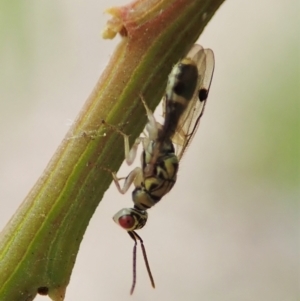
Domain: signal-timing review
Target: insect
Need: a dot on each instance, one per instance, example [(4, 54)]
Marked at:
[(183, 106)]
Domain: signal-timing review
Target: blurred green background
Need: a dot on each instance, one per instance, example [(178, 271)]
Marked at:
[(229, 230)]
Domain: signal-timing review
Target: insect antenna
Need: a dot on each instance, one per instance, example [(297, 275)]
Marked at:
[(135, 236)]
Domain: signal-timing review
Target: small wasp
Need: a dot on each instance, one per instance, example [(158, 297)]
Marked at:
[(183, 106)]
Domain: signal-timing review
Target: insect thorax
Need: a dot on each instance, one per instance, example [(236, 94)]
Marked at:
[(158, 183)]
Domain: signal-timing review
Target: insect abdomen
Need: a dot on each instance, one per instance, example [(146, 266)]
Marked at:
[(181, 87)]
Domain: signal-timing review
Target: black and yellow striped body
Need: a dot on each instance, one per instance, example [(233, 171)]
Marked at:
[(182, 83), (161, 177)]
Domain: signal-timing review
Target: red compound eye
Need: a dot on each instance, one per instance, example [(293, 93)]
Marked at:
[(126, 221)]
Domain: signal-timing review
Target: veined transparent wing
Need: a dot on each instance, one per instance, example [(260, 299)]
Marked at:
[(189, 120)]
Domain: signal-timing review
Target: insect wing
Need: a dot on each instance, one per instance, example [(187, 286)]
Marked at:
[(189, 121), (205, 80)]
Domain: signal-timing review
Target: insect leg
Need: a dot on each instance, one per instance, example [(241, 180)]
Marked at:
[(152, 126), (132, 177)]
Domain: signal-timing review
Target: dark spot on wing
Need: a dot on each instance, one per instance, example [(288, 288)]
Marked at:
[(203, 93)]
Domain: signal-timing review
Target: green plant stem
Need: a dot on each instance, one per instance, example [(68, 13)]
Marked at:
[(39, 245)]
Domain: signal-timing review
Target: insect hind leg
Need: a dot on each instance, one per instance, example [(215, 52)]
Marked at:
[(152, 126)]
